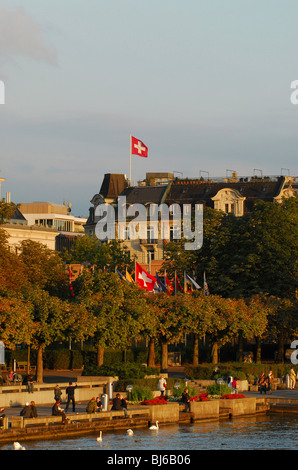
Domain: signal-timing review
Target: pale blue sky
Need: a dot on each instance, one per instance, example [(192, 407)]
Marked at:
[(204, 84)]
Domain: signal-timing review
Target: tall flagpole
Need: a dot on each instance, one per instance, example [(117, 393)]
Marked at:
[(130, 160)]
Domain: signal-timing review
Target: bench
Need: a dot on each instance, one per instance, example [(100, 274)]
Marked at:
[(22, 364)]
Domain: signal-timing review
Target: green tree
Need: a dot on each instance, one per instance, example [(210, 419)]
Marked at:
[(167, 313), (51, 318), (6, 211), (90, 251), (44, 268), (16, 325), (116, 306)]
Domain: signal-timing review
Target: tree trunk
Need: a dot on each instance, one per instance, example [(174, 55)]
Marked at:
[(100, 354), (214, 353), (164, 355), (240, 348), (151, 353), (195, 361), (259, 349), (281, 348), (39, 367), (28, 358)]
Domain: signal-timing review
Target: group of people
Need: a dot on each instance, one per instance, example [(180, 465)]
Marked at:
[(10, 377), (94, 405), (29, 410), (265, 382), (70, 392)]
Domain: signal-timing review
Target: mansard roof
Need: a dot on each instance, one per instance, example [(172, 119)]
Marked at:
[(112, 185), (144, 194), (192, 191)]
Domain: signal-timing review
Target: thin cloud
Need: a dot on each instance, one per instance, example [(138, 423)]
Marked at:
[(21, 35)]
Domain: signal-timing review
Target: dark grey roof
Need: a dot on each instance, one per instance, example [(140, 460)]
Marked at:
[(112, 185), (189, 191), (144, 194)]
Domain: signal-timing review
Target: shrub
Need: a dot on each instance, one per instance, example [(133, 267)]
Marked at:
[(177, 392), (217, 389), (124, 370), (141, 394)]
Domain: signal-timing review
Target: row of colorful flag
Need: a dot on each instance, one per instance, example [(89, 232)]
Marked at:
[(155, 284)]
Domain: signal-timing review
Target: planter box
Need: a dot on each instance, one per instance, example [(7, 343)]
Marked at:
[(239, 406), (243, 385), (205, 409), (168, 413)]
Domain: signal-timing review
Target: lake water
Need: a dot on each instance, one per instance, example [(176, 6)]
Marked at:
[(252, 433)]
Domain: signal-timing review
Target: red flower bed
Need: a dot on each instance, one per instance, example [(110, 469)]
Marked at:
[(202, 397), (231, 396), (156, 401)]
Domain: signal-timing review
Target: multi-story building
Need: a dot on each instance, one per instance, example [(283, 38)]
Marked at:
[(56, 217), (230, 195), (53, 225)]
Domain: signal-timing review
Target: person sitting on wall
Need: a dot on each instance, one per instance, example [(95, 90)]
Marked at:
[(118, 404), (57, 411), (92, 406), (98, 404)]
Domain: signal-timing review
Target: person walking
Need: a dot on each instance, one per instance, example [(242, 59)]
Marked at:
[(262, 383), (70, 392), (270, 381), (292, 379), (162, 385), (235, 385), (57, 393), (185, 398)]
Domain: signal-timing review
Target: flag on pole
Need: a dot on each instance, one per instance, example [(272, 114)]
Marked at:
[(206, 288), (120, 275), (144, 279), (160, 285), (70, 281), (193, 284), (129, 277), (169, 286), (137, 147), (178, 286)]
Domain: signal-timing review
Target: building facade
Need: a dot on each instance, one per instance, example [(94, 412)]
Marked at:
[(229, 195)]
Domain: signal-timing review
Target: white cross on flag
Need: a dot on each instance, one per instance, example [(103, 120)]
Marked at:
[(138, 147), (144, 279)]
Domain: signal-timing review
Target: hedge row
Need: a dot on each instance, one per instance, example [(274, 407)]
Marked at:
[(242, 371), (52, 359)]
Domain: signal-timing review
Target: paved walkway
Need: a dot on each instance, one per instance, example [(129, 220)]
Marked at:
[(51, 376)]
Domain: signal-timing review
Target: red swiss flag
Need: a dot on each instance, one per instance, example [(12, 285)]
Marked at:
[(144, 279), (138, 147)]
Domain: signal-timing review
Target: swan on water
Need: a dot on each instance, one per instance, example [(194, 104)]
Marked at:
[(154, 426), (130, 432), (99, 439), (17, 446)]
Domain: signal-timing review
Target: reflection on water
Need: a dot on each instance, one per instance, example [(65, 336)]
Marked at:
[(253, 433)]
